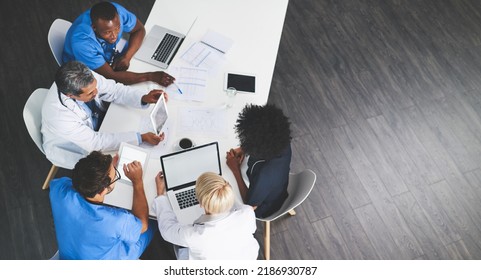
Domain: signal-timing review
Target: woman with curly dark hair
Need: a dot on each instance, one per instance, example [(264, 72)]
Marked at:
[(265, 136)]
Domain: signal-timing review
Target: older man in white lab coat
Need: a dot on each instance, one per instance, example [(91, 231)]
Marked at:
[(73, 110)]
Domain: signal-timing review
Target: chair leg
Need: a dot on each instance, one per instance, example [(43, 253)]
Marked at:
[(51, 174), (267, 240), (292, 212)]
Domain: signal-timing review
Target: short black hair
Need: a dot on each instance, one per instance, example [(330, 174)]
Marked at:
[(103, 10), (263, 131), (90, 175)]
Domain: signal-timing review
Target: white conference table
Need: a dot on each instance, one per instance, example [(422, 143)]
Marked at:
[(255, 26)]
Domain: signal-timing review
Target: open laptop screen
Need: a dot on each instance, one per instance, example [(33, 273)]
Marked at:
[(182, 168)]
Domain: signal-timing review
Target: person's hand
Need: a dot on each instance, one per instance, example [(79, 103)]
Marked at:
[(160, 183), (153, 96), (152, 138), (133, 171), (121, 64), (233, 161), (115, 160), (162, 78), (239, 153)]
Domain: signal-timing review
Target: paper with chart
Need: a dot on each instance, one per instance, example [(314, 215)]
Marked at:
[(203, 121), (191, 81), (209, 52)]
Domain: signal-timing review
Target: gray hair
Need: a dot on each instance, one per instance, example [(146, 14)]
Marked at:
[(72, 77)]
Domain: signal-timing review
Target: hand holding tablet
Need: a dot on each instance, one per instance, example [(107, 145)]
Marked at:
[(159, 115), (129, 153)]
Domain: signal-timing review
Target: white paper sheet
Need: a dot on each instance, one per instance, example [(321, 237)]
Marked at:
[(209, 52), (203, 121), (217, 41), (191, 81)]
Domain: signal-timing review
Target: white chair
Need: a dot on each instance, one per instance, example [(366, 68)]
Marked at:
[(299, 188), (55, 257), (56, 37), (32, 116)]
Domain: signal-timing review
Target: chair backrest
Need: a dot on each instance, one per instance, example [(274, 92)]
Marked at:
[(299, 188), (55, 257), (32, 115), (56, 37)]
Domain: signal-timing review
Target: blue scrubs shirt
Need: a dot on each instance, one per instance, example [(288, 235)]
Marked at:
[(83, 45), (88, 231)]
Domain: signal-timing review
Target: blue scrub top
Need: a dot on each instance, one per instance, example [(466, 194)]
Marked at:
[(83, 45), (92, 231)]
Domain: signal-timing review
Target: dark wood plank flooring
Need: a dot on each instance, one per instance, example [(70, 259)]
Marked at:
[(384, 97)]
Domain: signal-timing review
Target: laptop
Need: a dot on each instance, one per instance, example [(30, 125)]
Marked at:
[(161, 45), (181, 170), (159, 115)]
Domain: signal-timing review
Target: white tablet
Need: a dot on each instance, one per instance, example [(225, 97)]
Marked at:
[(159, 115), (242, 82), (127, 154)]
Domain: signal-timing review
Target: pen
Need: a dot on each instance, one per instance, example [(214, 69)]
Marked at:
[(178, 88)]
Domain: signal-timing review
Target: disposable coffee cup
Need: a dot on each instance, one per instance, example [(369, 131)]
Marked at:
[(185, 143)]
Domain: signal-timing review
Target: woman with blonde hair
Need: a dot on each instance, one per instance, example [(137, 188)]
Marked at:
[(225, 231)]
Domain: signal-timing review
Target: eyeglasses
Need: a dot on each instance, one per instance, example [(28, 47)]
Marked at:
[(117, 177)]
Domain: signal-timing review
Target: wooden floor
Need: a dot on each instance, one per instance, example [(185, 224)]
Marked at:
[(384, 97)]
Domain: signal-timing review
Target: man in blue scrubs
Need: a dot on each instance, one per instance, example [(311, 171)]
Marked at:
[(93, 39), (265, 137), (86, 228)]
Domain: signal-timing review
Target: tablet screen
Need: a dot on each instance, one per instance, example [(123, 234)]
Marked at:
[(129, 153), (159, 115), (241, 82)]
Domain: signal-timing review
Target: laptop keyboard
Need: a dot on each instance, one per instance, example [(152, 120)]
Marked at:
[(165, 48), (186, 198)]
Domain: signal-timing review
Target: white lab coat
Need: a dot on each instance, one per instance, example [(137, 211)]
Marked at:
[(67, 131), (226, 236)]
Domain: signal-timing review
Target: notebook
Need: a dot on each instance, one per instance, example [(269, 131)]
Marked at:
[(181, 170), (161, 45)]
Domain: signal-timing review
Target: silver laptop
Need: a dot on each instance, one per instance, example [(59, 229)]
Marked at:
[(181, 170), (160, 46)]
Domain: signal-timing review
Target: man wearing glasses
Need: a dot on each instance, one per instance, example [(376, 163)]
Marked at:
[(86, 228), (73, 112)]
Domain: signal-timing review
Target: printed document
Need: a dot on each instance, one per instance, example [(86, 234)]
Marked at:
[(209, 52), (203, 121), (191, 81)]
